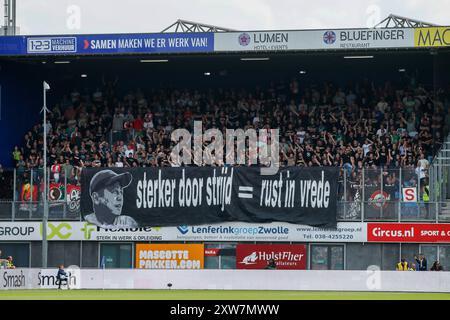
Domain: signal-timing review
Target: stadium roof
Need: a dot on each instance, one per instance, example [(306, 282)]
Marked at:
[(190, 26), (394, 21), (391, 21)]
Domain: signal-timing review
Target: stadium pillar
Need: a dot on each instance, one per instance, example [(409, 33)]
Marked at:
[(14, 195), (45, 216), (6, 7), (363, 193), (401, 198), (345, 194), (13, 17), (387, 201), (31, 193)]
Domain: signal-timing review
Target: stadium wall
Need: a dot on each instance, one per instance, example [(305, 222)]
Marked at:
[(370, 280), (88, 254)]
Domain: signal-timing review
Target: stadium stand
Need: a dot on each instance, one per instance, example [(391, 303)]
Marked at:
[(358, 127)]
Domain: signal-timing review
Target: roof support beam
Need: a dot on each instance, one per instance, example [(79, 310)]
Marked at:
[(394, 21), (190, 26)]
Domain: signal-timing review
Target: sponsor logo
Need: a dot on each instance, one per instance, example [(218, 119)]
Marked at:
[(183, 229), (244, 39), (140, 229), (286, 256), (366, 38), (169, 256), (408, 232), (13, 280), (16, 231), (212, 252), (329, 37), (432, 37), (87, 230), (274, 37), (271, 41), (278, 230), (61, 231), (265, 40), (52, 45), (45, 280), (250, 259), (379, 232), (250, 256)]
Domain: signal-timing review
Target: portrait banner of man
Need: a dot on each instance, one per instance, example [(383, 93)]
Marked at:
[(106, 191)]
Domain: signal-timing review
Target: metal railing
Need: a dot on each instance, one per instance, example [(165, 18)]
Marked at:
[(356, 211), (29, 211), (22, 200), (377, 194), (439, 179), (363, 195)]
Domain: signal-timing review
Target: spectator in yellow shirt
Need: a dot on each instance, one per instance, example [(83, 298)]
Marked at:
[(9, 263), (402, 265)]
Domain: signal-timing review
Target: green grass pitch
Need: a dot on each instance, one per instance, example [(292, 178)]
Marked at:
[(212, 295)]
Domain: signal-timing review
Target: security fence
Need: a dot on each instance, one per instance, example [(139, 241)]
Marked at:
[(22, 200), (383, 194), (402, 194)]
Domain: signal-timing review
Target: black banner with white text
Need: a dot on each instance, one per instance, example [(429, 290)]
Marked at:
[(198, 195)]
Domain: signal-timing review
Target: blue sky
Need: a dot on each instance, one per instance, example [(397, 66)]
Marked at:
[(118, 16)]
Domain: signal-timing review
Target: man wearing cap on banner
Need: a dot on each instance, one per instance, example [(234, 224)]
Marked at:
[(106, 190)]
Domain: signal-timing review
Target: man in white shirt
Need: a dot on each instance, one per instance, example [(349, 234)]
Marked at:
[(119, 163), (366, 147), (421, 172), (301, 133), (381, 132), (382, 105), (423, 163)]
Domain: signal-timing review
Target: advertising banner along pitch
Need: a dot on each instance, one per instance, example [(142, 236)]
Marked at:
[(286, 256), (169, 256), (194, 196), (222, 232), (408, 232)]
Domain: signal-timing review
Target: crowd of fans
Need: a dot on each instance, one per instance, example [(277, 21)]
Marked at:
[(353, 127)]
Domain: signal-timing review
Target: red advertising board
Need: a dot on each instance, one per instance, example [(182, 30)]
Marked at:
[(408, 232), (212, 252), (252, 256)]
